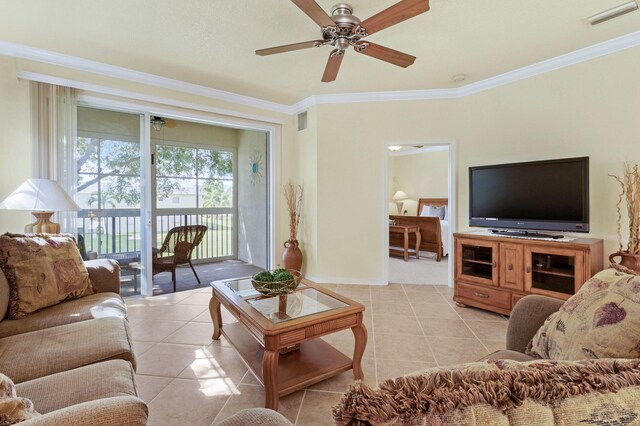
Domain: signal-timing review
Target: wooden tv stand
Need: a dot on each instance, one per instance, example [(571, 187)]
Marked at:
[(494, 272)]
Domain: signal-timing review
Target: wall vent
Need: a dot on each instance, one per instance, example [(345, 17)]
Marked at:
[(302, 121)]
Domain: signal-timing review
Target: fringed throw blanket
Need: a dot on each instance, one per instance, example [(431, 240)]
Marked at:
[(502, 392)]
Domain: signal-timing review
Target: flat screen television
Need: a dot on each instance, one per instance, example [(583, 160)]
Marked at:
[(550, 195)]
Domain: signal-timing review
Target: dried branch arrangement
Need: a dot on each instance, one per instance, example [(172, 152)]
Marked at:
[(630, 192), (293, 195)]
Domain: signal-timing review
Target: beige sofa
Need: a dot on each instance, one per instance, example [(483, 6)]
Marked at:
[(75, 360)]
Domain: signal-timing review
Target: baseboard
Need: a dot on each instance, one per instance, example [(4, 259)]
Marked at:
[(338, 280)]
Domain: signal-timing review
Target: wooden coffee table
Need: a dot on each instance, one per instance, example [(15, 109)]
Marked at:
[(277, 337)]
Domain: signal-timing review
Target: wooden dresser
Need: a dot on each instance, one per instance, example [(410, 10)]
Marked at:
[(494, 272)]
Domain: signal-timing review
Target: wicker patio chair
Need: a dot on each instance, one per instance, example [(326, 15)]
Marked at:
[(176, 250)]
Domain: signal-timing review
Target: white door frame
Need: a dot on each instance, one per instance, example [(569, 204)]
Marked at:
[(273, 147), (451, 144)]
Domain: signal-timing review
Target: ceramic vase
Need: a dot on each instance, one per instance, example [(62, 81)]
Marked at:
[(292, 256), (631, 261)]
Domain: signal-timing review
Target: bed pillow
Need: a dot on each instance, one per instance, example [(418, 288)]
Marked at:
[(433, 211), (602, 320), (42, 270)]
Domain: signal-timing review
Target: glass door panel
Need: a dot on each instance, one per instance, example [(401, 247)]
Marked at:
[(108, 167), (477, 261), (195, 186), (553, 272)]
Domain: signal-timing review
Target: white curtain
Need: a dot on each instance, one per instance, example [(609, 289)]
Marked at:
[(54, 130)]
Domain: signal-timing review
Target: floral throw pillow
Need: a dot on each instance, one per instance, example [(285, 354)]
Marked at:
[(12, 408), (602, 320), (42, 270)]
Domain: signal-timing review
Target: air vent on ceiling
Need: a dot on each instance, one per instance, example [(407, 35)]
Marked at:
[(302, 121), (614, 12)]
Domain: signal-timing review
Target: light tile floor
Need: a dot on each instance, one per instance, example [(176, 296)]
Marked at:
[(189, 380)]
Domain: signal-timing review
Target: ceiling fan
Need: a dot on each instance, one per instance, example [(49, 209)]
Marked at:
[(158, 123), (342, 29)]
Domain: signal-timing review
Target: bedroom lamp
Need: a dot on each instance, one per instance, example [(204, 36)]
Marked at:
[(399, 197), (42, 197)]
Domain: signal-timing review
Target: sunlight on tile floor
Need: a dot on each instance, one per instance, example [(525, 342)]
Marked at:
[(188, 379)]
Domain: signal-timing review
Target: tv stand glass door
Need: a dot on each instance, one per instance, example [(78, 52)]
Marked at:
[(553, 272)]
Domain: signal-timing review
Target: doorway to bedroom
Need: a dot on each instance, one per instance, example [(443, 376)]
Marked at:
[(419, 189)]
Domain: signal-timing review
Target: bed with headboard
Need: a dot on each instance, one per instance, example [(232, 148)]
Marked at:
[(433, 229)]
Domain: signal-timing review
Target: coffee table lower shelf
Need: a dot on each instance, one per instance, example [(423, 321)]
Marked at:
[(316, 360)]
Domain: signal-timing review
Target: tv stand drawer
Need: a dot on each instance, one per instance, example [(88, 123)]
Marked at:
[(484, 295)]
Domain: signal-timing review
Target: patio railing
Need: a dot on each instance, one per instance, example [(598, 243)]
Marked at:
[(117, 232)]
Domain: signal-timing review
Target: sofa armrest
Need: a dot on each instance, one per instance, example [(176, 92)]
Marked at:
[(104, 274), (114, 411), (255, 417), (527, 317)]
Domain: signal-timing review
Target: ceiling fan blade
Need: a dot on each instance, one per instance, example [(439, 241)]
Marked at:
[(315, 12), (395, 14), (385, 54), (333, 66), (288, 47), (169, 123)]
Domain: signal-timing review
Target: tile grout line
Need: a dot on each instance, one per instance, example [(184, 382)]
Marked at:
[(161, 390), (415, 317), (225, 403), (300, 407), (470, 329), (465, 323)]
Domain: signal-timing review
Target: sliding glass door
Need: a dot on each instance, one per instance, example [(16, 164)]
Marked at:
[(108, 171), (195, 185)]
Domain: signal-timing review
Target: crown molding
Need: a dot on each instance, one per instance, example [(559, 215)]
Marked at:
[(581, 55), (585, 54), (349, 98), (80, 64), (103, 90)]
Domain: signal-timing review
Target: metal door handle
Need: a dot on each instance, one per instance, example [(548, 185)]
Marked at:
[(484, 296), (510, 266), (528, 269), (494, 264)]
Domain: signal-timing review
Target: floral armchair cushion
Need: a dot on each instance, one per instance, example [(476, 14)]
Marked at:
[(602, 320), (12, 408), (42, 270)]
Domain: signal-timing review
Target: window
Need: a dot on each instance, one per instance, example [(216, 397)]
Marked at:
[(108, 173), (193, 177)]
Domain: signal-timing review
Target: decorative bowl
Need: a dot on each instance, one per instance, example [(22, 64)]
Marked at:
[(271, 288)]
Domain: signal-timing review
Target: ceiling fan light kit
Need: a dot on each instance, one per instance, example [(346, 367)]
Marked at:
[(342, 29), (614, 12)]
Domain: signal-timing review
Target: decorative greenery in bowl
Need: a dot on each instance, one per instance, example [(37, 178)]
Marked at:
[(278, 281)]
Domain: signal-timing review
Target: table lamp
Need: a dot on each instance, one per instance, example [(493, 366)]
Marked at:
[(399, 196), (42, 197)]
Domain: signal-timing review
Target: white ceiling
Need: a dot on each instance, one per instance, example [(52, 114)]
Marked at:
[(212, 42)]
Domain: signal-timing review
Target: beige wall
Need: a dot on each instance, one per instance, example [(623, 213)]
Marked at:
[(15, 142), (307, 176), (419, 175), (589, 109), (252, 199)]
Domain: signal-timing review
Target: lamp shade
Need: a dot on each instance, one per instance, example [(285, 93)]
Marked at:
[(40, 195), (399, 196)]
